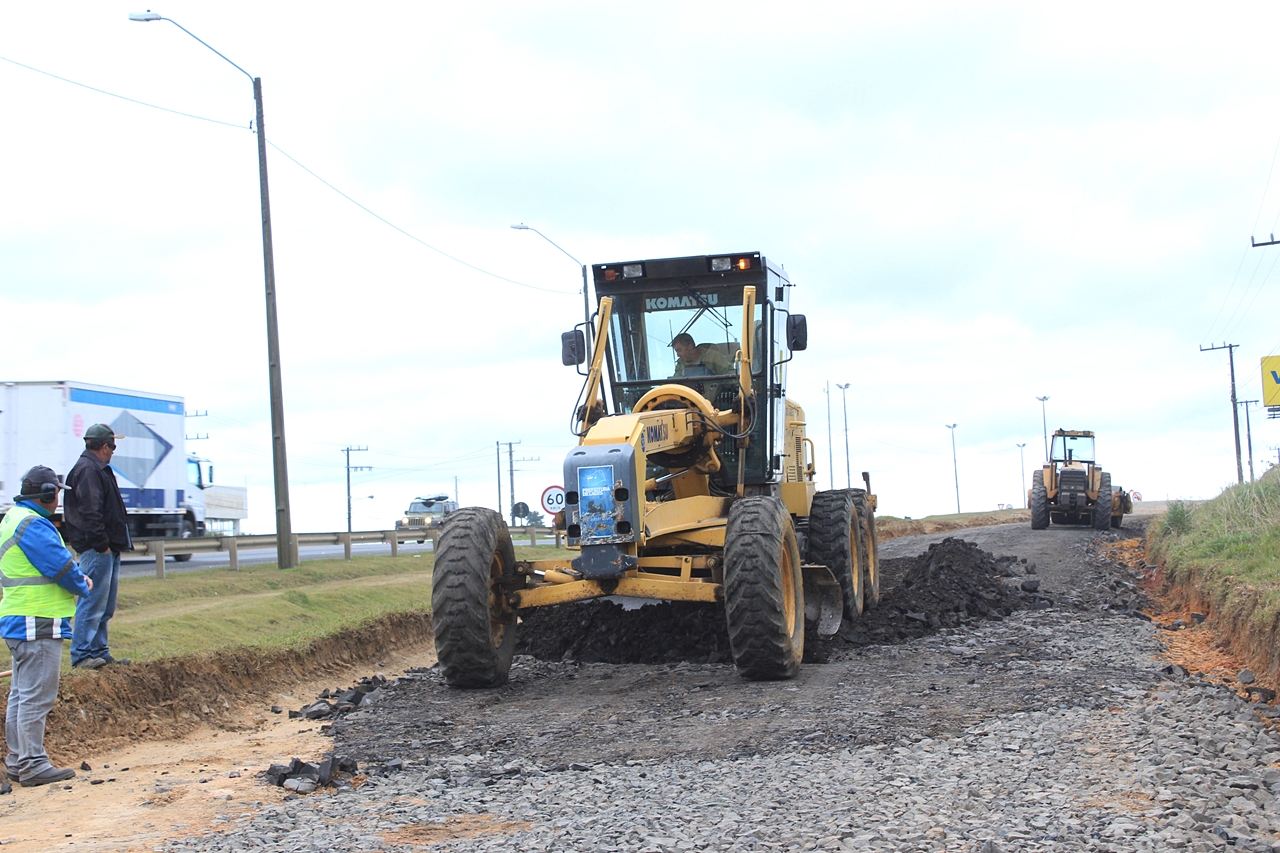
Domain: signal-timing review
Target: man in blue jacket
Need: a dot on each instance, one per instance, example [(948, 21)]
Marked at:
[(40, 581)]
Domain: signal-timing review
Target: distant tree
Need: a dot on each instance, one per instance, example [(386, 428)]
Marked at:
[(533, 519)]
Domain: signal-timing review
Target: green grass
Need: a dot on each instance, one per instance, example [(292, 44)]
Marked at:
[(265, 607), (1229, 546)]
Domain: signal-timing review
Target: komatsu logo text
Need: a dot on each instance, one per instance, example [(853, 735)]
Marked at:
[(657, 433), (658, 303)]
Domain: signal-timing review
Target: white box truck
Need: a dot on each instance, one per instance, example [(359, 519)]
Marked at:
[(43, 423)]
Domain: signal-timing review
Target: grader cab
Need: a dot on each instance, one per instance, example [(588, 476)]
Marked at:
[(1072, 489), (692, 480)]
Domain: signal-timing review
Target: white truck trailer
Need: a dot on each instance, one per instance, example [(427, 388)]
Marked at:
[(43, 423)]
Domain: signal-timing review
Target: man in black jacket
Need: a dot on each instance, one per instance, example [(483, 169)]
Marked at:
[(96, 526)]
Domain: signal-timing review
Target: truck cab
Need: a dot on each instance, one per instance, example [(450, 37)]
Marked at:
[(426, 513)]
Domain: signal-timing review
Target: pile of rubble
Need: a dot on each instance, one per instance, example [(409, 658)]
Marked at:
[(303, 777), (333, 702)]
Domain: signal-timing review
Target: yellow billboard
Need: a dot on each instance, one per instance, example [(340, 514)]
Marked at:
[(1271, 380)]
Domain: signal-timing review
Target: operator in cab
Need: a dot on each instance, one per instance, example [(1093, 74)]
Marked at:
[(693, 360)]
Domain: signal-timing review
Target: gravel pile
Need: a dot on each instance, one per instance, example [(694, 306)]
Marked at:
[(1144, 759), (952, 582)]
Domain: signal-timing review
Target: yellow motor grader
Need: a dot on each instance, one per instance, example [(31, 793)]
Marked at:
[(692, 480), (1071, 489)]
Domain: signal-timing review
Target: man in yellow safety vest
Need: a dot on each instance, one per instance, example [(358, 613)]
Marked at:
[(40, 580)]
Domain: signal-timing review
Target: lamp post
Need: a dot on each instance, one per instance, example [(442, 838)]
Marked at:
[(831, 454), (1022, 469), (848, 474), (586, 298), (1045, 420), (285, 557), (955, 465)]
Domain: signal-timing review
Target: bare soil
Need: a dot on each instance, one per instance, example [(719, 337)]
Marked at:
[(594, 683)]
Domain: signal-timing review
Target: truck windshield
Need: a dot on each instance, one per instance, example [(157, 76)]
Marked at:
[(420, 508), (1080, 448), (705, 327)]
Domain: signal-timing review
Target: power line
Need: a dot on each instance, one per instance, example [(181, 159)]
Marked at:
[(294, 160)]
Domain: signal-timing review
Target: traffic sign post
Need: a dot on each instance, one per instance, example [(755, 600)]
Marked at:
[(553, 499)]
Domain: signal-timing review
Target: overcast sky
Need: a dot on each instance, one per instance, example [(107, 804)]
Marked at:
[(978, 206)]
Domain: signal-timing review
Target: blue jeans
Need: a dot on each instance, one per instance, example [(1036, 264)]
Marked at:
[(94, 611), (32, 693)]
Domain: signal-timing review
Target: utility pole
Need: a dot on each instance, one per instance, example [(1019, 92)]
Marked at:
[(844, 397), (349, 450), (1022, 469), (455, 488), (511, 469), (1044, 417), (955, 465), (831, 454), (497, 447), (1248, 432), (1235, 413)]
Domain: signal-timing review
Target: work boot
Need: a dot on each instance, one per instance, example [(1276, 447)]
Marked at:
[(89, 663), (53, 774), (108, 660)]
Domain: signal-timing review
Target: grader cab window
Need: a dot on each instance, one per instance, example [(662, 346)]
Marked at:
[(1072, 448), (705, 326)]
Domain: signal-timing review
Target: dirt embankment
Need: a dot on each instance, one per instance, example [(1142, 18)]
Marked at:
[(1211, 636), (169, 698), (892, 528)]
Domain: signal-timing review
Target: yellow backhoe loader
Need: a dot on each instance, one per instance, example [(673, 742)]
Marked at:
[(1071, 489), (692, 480)]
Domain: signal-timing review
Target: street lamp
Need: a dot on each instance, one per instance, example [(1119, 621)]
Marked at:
[(1022, 469), (848, 475), (1045, 420), (586, 298), (831, 454), (284, 523), (954, 465)]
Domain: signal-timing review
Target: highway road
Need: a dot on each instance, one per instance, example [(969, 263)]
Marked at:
[(132, 567)]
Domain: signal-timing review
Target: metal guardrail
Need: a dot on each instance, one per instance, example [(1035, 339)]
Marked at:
[(232, 545)]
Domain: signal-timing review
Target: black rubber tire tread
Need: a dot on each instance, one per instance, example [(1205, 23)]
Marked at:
[(188, 531), (835, 541), (869, 556), (462, 592), (1039, 503), (1102, 506), (758, 532)]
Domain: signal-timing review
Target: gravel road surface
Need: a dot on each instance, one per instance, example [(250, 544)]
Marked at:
[(1057, 727)]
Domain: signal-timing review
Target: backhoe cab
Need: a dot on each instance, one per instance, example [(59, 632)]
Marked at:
[(693, 479), (1072, 489)]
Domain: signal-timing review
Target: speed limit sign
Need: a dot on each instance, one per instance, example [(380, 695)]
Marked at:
[(553, 499)]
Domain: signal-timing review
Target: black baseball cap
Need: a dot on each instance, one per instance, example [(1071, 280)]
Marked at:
[(40, 484), (101, 432)]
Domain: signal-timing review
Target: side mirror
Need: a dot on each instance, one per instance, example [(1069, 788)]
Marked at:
[(210, 475), (573, 347), (797, 332)]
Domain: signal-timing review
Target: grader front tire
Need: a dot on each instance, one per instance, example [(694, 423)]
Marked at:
[(475, 629), (835, 541), (763, 590)]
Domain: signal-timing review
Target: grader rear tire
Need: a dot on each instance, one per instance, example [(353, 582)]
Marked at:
[(870, 554), (1102, 506), (475, 628), (835, 541), (763, 590), (1039, 504)]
